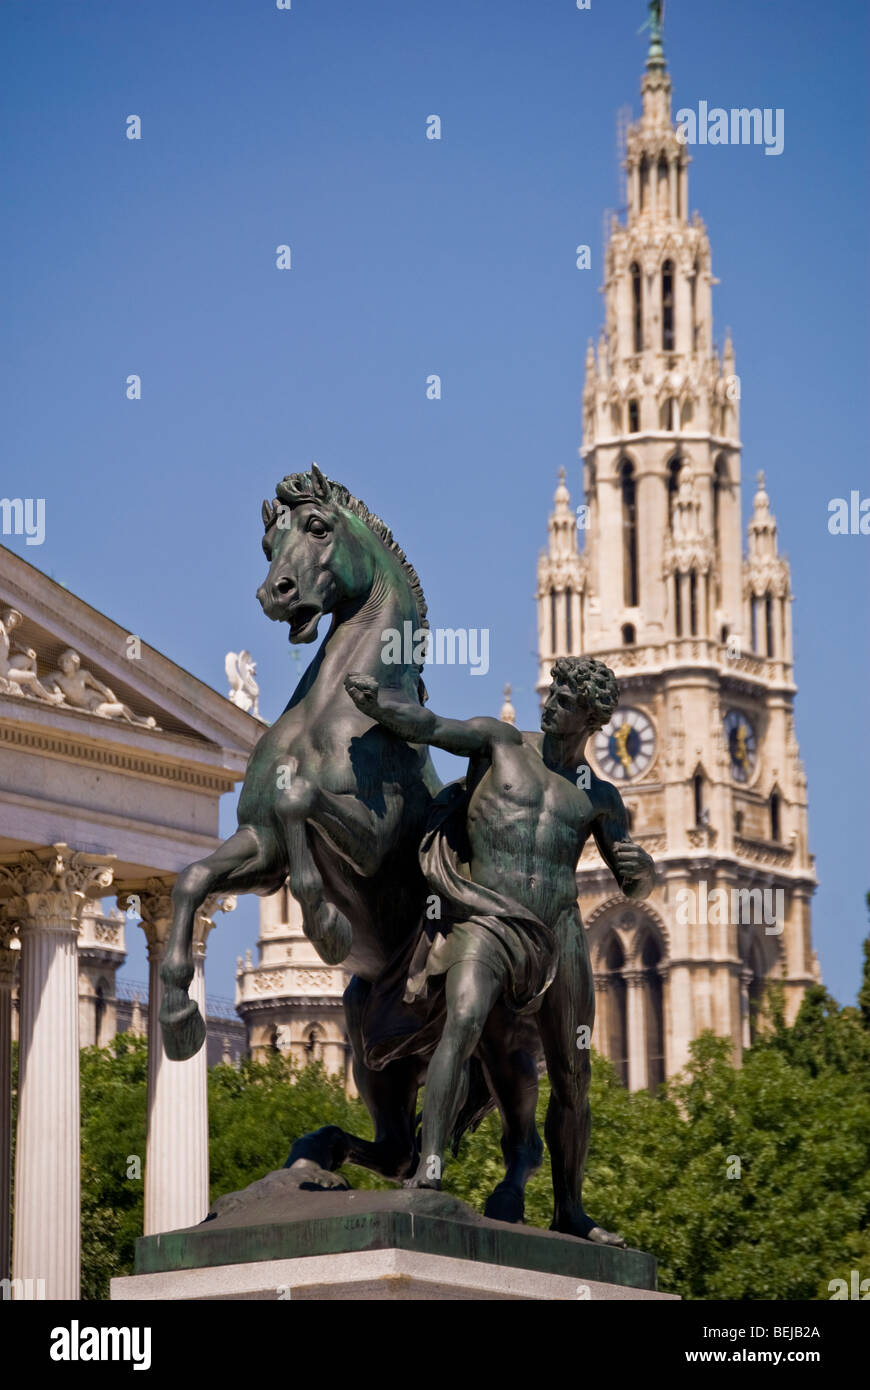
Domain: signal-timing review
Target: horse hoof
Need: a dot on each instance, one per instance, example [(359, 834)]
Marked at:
[(312, 1178), (505, 1204), (183, 1033)]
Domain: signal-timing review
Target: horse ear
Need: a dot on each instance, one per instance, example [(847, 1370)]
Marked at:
[(266, 513), (321, 486)]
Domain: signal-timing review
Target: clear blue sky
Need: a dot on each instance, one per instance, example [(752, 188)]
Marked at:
[(413, 257)]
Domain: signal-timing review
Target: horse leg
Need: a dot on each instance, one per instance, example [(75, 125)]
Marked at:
[(249, 861), (390, 1096), (513, 1077), (324, 925)]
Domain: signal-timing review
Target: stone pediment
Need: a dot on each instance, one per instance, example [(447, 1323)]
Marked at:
[(155, 700)]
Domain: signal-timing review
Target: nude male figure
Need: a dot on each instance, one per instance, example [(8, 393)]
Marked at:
[(17, 663), (533, 801), (82, 690)]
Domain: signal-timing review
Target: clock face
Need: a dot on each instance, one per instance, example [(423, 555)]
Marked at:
[(740, 738), (624, 748)]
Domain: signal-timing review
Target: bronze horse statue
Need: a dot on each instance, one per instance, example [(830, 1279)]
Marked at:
[(330, 800)]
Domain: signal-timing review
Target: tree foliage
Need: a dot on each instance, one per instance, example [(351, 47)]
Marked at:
[(746, 1183)]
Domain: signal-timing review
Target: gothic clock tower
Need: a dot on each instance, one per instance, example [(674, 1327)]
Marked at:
[(649, 575)]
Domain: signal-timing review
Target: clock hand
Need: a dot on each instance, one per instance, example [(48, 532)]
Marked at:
[(622, 736)]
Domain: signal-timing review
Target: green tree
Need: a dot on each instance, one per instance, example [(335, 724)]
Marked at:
[(113, 1101), (746, 1183), (258, 1110)]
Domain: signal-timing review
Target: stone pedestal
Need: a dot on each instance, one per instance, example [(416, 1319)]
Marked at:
[(277, 1241)]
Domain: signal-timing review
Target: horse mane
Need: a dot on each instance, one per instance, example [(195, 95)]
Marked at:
[(303, 487)]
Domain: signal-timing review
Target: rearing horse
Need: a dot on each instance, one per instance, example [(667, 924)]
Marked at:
[(330, 800)]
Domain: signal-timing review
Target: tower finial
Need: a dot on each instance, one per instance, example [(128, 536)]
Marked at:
[(655, 58)]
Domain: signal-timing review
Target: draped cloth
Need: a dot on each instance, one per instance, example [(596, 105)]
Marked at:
[(406, 1009)]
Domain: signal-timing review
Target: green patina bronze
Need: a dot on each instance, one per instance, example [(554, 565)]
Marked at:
[(293, 1226), (341, 799)]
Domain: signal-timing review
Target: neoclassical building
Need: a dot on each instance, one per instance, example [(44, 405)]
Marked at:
[(649, 574), (113, 760)]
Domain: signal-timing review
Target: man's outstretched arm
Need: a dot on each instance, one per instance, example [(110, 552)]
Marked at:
[(467, 737), (630, 865)]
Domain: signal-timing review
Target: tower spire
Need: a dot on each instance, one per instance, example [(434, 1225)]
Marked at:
[(655, 58)]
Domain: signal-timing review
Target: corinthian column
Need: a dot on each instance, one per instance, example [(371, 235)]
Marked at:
[(8, 962), (49, 890), (176, 1161)]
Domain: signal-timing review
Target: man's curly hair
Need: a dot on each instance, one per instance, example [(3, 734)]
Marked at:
[(590, 681)]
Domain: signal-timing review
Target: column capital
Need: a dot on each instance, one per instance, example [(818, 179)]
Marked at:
[(150, 900), (49, 886), (204, 920)]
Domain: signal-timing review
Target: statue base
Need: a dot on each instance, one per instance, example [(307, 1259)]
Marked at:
[(275, 1240)]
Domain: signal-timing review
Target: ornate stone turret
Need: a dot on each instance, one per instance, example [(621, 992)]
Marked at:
[(561, 581), (290, 1001), (698, 637), (767, 585)]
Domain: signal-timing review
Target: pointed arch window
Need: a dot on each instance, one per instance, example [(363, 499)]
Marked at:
[(755, 993), (678, 604), (668, 306), (673, 486), (644, 183), (568, 628), (629, 535), (720, 484), (768, 625), (634, 417), (693, 603), (670, 415), (662, 192), (553, 629), (637, 306), (773, 807), (628, 635), (698, 798)]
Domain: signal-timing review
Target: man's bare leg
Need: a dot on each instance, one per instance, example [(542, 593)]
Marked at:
[(471, 989), (513, 1078), (567, 1008)]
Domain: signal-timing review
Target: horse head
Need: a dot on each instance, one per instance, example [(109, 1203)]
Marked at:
[(326, 550)]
